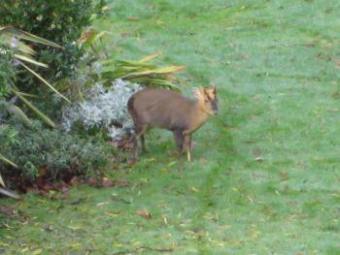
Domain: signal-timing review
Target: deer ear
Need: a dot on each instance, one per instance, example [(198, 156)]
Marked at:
[(207, 92), (210, 93), (213, 87)]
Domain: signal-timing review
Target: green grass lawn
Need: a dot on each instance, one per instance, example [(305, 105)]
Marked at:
[(266, 173)]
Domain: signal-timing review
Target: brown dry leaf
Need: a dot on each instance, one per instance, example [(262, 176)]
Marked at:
[(165, 220), (144, 213), (43, 171), (8, 211), (121, 183), (257, 152), (43, 184), (92, 181), (106, 182), (62, 186), (337, 63), (284, 175), (74, 180), (132, 18), (259, 159)]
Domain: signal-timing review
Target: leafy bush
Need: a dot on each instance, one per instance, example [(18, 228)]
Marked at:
[(59, 21), (51, 154), (7, 72)]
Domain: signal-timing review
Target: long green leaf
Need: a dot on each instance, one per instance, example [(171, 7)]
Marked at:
[(9, 193), (134, 63), (155, 82), (150, 57), (28, 36), (30, 60), (7, 161), (25, 49), (18, 114), (46, 119), (2, 183), (44, 81), (161, 70), (27, 94)]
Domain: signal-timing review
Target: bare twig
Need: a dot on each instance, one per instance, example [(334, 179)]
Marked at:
[(143, 248)]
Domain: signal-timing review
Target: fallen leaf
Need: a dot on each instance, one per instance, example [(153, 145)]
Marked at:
[(165, 220), (235, 189), (113, 214), (257, 152), (194, 189), (48, 228), (144, 213), (75, 180), (337, 63), (8, 211), (121, 183), (92, 181), (37, 252), (74, 228), (172, 163), (284, 175), (106, 182), (132, 18), (102, 204)]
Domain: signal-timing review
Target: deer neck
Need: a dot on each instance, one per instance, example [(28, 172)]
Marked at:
[(199, 116)]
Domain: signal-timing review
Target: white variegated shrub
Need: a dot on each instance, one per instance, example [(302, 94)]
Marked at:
[(103, 108)]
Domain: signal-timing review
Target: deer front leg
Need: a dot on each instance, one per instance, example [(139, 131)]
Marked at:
[(140, 130), (187, 146)]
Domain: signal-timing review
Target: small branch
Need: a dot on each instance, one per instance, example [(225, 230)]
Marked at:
[(157, 249), (143, 248), (121, 200)]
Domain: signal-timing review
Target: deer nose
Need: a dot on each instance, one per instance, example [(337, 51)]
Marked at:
[(215, 107)]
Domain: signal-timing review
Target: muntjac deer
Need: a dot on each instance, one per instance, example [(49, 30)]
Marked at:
[(161, 108)]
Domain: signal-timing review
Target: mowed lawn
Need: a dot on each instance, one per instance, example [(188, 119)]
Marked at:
[(265, 176)]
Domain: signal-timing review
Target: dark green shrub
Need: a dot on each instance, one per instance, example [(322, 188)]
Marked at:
[(51, 153), (7, 72), (60, 21)]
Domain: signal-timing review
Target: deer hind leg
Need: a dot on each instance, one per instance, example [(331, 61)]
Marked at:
[(178, 135)]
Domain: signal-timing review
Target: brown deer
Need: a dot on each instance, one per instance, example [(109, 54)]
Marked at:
[(166, 109)]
